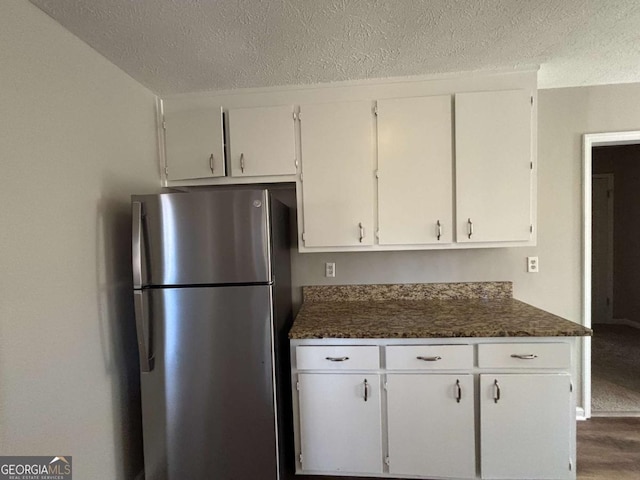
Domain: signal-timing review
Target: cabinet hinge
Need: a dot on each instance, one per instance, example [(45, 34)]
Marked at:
[(377, 173), (571, 387), (375, 109), (301, 177), (378, 234), (166, 170), (570, 465), (386, 460), (531, 165), (164, 125), (300, 458), (295, 162), (298, 386), (530, 228), (304, 236), (299, 116), (532, 100), (386, 386), (295, 116)]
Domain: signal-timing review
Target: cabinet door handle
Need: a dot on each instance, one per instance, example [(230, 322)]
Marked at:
[(458, 391), (242, 162), (361, 231), (496, 391), (469, 227), (439, 229), (337, 359), (430, 359), (366, 390), (211, 163), (528, 356)]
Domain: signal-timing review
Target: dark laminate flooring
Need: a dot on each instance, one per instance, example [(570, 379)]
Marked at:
[(609, 449)]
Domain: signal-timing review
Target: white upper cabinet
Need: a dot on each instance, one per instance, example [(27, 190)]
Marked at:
[(262, 141), (493, 166), (194, 143), (338, 173), (415, 171)]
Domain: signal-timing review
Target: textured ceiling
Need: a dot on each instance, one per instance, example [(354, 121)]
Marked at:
[(177, 46)]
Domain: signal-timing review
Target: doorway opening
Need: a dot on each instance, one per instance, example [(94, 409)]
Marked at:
[(611, 360)]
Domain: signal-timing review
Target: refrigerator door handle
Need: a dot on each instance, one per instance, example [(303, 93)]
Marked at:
[(144, 334), (136, 243)]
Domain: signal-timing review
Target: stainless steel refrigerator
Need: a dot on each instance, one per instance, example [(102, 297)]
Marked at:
[(212, 297)]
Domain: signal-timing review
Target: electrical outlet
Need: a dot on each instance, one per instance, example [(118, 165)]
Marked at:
[(533, 266), (330, 269)]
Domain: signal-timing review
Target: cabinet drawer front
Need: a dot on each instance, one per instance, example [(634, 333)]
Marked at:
[(429, 357), (337, 358), (524, 355)]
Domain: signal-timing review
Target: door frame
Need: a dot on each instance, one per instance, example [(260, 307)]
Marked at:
[(590, 140), (609, 177)]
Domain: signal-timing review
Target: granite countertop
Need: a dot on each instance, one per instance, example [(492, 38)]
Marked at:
[(485, 311)]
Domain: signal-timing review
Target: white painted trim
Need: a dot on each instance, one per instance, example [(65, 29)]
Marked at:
[(590, 140)]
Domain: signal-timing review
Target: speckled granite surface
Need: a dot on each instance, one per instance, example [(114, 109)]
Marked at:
[(425, 318), (408, 291)]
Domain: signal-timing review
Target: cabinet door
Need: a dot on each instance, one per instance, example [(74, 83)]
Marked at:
[(493, 166), (340, 427), (415, 193), (262, 141), (431, 425), (338, 171), (525, 426), (194, 143)]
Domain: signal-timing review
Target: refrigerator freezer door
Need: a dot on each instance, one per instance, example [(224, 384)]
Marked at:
[(208, 404), (208, 237)]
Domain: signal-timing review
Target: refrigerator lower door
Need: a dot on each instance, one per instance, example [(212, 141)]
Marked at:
[(208, 403)]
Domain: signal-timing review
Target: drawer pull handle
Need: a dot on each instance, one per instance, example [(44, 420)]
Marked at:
[(458, 391), (429, 359), (337, 359), (366, 390), (496, 391), (529, 356)]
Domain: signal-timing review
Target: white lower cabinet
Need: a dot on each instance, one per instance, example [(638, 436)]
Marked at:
[(340, 423), (430, 425), (525, 426), (486, 409)]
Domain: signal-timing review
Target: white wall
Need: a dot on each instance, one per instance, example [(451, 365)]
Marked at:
[(77, 138)]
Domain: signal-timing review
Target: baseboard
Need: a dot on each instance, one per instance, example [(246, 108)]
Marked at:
[(627, 322), (621, 321), (615, 414)]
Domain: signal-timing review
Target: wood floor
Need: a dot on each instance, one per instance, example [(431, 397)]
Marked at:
[(609, 449)]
